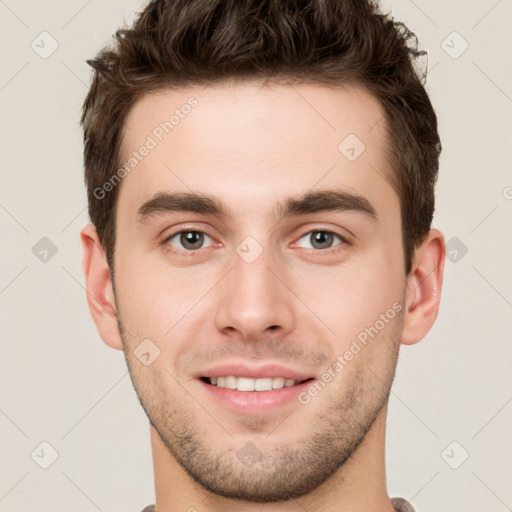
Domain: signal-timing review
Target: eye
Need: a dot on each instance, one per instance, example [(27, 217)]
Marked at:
[(321, 239), (190, 240)]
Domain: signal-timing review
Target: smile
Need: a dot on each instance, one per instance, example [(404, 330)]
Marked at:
[(248, 384)]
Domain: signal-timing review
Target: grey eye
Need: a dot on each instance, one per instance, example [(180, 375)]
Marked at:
[(190, 240), (320, 239)]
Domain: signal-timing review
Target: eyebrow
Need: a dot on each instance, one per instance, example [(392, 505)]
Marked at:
[(309, 202)]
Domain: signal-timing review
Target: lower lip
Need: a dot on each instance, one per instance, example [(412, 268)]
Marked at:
[(255, 401)]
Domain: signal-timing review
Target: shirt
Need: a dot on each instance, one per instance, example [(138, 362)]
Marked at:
[(400, 504)]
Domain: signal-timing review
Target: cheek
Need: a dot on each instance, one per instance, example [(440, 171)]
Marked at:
[(350, 298), (153, 298)]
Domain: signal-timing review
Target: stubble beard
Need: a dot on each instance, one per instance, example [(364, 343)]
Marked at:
[(267, 476)]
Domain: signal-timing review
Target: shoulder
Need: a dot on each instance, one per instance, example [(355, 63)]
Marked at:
[(401, 505), (149, 508)]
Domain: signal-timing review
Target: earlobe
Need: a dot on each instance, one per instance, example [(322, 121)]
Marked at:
[(98, 283), (424, 285)]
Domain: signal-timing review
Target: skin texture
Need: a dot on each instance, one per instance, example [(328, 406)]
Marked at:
[(251, 147)]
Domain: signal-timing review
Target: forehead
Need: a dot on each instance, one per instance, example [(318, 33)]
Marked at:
[(249, 144)]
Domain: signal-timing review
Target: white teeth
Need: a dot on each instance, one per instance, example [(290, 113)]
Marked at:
[(277, 383), (230, 382), (263, 384), (244, 384), (247, 384)]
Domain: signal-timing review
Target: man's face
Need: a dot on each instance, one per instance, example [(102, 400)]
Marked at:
[(272, 291)]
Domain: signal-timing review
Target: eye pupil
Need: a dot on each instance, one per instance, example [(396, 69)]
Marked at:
[(194, 238), (321, 239)]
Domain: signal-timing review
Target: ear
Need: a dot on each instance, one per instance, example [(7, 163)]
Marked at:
[(424, 288), (98, 284)]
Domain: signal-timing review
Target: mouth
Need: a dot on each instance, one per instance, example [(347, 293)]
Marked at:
[(245, 384), (248, 396), (254, 389)]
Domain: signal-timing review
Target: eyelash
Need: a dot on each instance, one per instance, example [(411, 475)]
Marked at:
[(194, 252)]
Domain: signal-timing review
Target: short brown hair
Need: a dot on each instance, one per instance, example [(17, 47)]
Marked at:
[(178, 43)]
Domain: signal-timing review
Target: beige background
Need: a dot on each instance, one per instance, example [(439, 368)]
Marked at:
[(61, 385)]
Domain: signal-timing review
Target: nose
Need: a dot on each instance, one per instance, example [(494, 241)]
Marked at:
[(254, 301)]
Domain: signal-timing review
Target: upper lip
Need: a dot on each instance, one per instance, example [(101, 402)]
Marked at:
[(254, 372)]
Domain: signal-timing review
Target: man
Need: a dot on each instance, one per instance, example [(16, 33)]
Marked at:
[(261, 180)]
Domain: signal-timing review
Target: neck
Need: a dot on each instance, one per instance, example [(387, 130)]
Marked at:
[(360, 484)]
